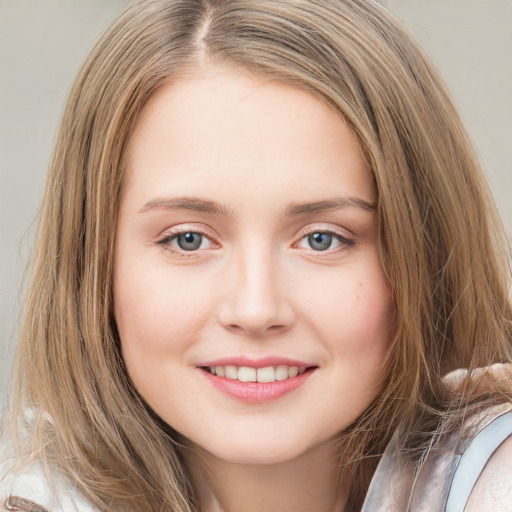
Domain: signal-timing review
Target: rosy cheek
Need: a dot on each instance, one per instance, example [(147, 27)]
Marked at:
[(159, 312), (361, 318)]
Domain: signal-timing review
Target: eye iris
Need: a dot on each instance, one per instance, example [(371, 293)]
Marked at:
[(189, 241), (320, 241)]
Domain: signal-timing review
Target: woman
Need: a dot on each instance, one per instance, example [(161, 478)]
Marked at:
[(265, 239)]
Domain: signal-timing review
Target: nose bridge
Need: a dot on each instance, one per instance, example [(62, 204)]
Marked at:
[(257, 300)]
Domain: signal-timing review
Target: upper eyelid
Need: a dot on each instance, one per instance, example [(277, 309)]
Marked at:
[(174, 231), (339, 231), (341, 238), (166, 240), (346, 238), (325, 228)]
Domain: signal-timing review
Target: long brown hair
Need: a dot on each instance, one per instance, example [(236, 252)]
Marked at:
[(441, 241)]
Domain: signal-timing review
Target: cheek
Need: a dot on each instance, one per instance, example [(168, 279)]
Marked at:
[(354, 315), (158, 317), (156, 312)]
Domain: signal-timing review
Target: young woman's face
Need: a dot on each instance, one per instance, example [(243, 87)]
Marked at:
[(247, 243)]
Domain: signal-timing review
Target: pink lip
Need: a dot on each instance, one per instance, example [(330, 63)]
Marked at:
[(256, 392), (256, 363)]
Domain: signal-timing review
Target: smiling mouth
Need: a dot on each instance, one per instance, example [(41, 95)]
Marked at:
[(267, 374)]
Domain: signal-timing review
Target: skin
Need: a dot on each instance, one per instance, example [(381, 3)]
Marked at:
[(255, 287)]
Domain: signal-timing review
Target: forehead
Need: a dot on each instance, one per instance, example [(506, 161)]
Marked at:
[(221, 127)]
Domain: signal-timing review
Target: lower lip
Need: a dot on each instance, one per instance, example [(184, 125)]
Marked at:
[(257, 392)]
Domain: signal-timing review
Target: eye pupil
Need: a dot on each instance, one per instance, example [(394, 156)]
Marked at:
[(189, 241), (320, 241)]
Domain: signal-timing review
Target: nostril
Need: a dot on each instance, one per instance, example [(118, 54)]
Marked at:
[(276, 327), (257, 330)]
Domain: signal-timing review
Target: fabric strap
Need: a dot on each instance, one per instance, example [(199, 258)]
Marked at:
[(474, 459)]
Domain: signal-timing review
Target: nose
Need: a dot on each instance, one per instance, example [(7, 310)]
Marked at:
[(256, 300)]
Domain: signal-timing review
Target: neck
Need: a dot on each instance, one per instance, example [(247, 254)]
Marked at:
[(308, 482)]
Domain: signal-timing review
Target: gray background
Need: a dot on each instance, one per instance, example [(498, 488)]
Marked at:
[(43, 42)]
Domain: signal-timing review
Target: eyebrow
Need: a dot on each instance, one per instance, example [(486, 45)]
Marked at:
[(330, 204), (184, 203), (214, 208)]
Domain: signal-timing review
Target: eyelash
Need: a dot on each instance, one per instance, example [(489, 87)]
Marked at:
[(166, 241), (345, 242)]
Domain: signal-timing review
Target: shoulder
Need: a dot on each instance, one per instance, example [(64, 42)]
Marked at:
[(35, 486), (15, 504), (493, 489), (482, 480), (468, 468), (32, 489)]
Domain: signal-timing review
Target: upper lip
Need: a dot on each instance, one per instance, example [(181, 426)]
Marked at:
[(256, 363)]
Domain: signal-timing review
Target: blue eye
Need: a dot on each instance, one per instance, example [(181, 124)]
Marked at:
[(323, 241), (188, 241), (320, 241), (185, 241)]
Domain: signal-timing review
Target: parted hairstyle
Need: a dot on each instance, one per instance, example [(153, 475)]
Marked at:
[(442, 243)]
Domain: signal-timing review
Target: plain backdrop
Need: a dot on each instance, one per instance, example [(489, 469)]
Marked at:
[(42, 45)]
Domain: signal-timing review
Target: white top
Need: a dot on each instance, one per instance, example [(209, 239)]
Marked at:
[(60, 495)]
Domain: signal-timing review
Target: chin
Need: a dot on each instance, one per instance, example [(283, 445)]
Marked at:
[(260, 455), (258, 450)]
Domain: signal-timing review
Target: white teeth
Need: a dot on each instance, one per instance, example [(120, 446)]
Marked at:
[(293, 371), (249, 374), (246, 374), (281, 372), (267, 374), (231, 372)]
